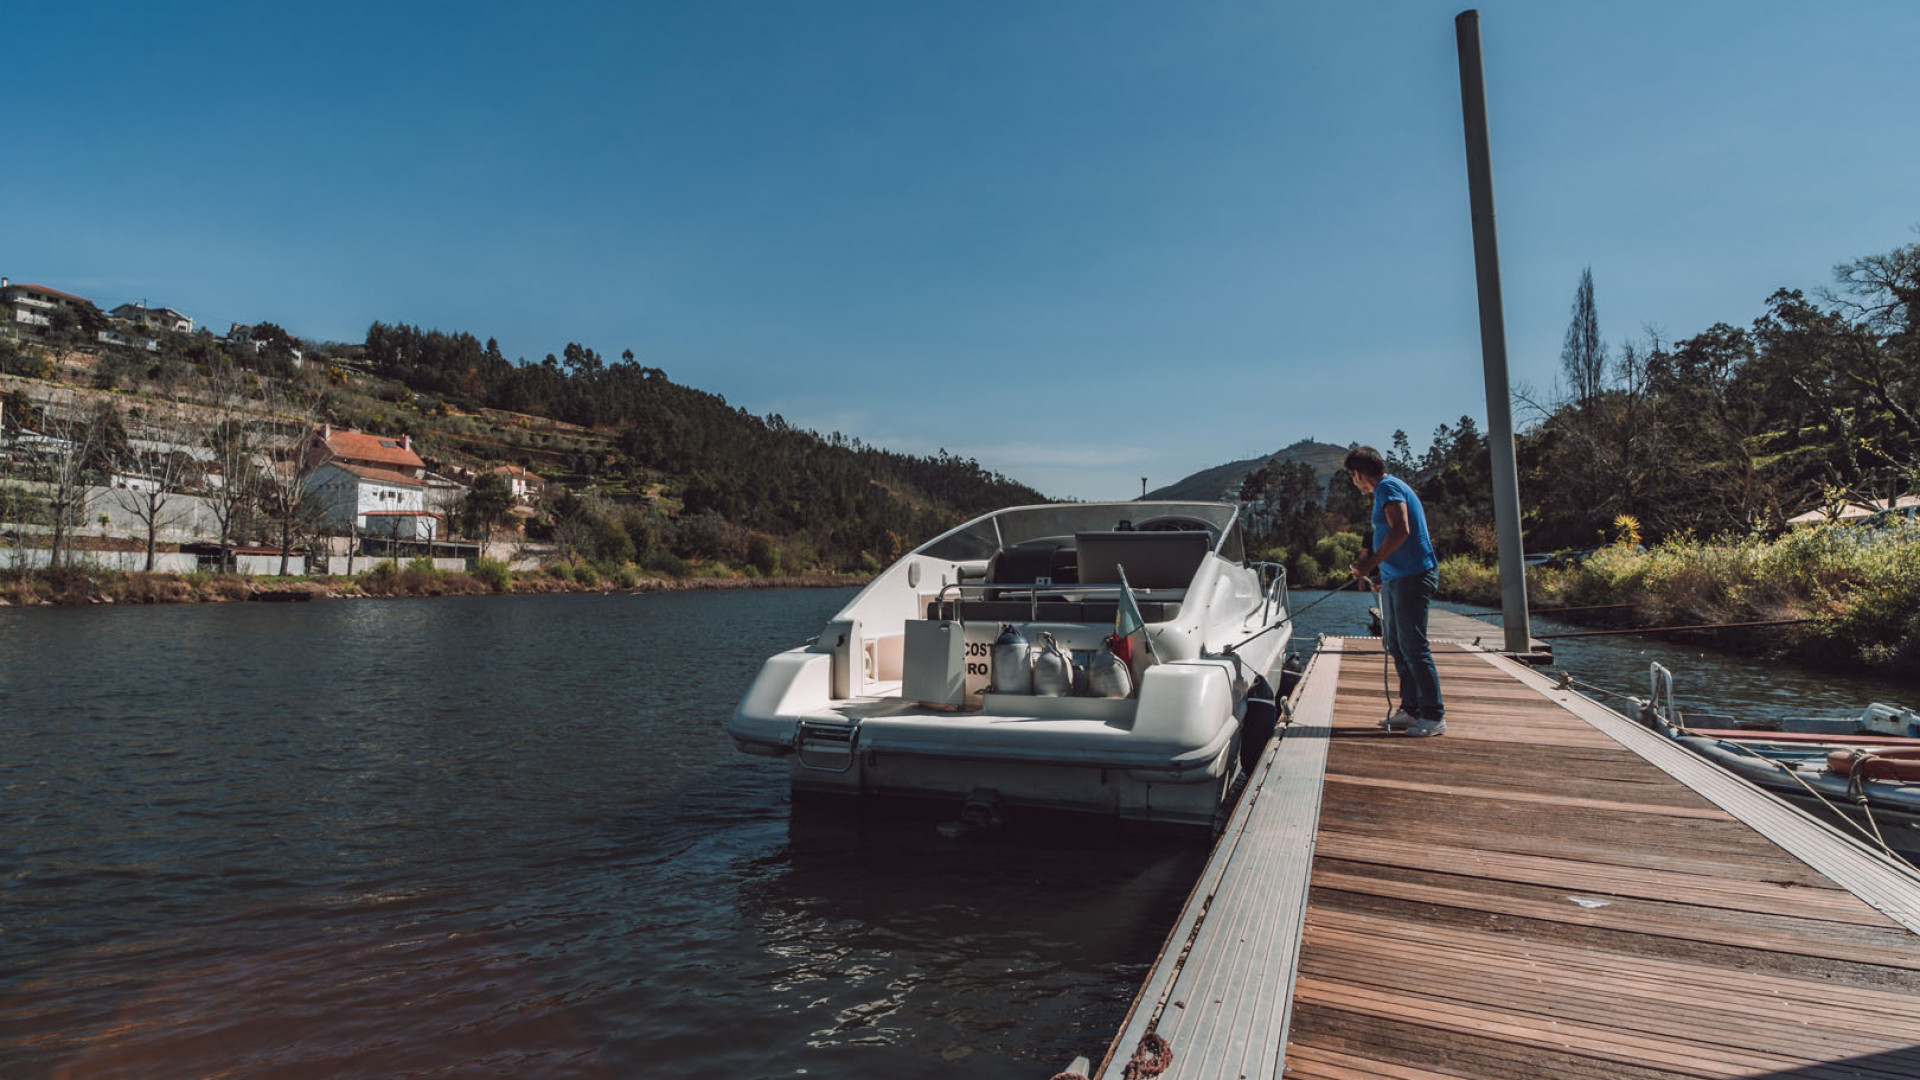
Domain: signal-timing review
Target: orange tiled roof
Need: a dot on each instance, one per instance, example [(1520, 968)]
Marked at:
[(50, 292), (385, 476), (516, 470), (360, 446)]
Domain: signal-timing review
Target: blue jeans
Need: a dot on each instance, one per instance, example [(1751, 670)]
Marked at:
[(1403, 610)]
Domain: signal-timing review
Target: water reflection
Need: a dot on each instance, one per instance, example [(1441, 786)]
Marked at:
[(898, 928)]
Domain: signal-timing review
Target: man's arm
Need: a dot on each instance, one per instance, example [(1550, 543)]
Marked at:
[(1397, 532)]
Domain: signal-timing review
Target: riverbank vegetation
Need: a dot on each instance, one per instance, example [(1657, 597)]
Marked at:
[(81, 585), (1846, 596)]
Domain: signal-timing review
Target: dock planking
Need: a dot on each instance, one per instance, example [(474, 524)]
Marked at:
[(1452, 626), (1540, 892)]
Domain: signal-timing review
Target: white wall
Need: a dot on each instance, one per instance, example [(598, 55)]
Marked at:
[(268, 565), (173, 562), (185, 517)]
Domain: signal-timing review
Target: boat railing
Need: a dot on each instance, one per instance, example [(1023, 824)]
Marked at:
[(959, 589), (1273, 590), (1660, 695)]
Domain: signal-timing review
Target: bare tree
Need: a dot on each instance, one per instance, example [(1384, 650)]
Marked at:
[(1584, 356), (68, 451), (153, 494), (287, 494), (229, 440)]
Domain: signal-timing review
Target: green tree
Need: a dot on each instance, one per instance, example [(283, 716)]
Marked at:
[(485, 505)]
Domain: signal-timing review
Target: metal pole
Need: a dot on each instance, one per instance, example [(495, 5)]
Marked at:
[(1493, 337)]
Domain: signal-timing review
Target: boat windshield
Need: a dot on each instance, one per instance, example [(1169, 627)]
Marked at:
[(979, 539)]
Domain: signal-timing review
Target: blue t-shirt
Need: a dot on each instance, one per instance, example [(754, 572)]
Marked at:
[(1415, 555)]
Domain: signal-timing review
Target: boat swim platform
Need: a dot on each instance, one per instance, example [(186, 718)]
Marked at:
[(1547, 890)]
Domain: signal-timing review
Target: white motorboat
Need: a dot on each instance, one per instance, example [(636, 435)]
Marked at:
[(901, 696)]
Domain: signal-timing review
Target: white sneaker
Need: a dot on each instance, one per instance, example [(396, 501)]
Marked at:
[(1426, 729), (1401, 720)]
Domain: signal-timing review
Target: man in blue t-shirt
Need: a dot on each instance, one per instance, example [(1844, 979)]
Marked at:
[(1408, 577)]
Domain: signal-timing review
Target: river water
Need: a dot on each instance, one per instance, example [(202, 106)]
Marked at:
[(509, 837)]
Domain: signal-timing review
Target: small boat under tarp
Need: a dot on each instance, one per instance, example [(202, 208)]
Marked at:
[(1863, 769)]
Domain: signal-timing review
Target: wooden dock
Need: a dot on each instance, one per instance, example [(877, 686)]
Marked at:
[(1548, 890), (1455, 628)]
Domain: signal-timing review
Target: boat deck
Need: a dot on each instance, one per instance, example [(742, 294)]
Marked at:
[(1547, 890)]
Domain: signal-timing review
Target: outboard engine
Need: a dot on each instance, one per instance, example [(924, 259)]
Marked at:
[(1012, 662), (1109, 677), (1052, 669)]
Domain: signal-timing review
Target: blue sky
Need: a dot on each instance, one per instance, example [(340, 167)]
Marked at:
[(1081, 242)]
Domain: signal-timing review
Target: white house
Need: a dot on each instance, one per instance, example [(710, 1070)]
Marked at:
[(373, 483), (32, 306), (525, 487), (164, 317), (376, 502)]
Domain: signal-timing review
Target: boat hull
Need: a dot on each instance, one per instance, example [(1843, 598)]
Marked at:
[(1170, 756)]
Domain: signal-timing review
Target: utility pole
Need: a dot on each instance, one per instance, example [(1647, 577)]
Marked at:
[(1493, 337)]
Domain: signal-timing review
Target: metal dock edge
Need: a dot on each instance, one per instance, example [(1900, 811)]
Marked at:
[(1221, 990)]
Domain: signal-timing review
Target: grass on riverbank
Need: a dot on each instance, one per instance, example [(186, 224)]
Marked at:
[(1859, 586), (85, 585)]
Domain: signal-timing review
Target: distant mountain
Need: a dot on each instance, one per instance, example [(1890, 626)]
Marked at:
[(1223, 481)]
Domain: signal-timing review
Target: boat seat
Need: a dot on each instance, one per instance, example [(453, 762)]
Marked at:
[(1027, 563), (1152, 560), (1062, 611)]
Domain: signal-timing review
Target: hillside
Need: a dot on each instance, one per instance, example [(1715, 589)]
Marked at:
[(641, 469), (1223, 481)]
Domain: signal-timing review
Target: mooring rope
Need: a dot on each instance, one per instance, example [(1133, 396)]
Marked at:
[(1827, 800), (1674, 629), (1149, 1060), (1558, 610), (1292, 615)]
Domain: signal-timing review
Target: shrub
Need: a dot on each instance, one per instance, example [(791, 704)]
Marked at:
[(1463, 577), (494, 574), (762, 554), (1337, 551), (586, 575), (665, 562), (560, 572), (628, 577), (420, 564), (1306, 572)]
